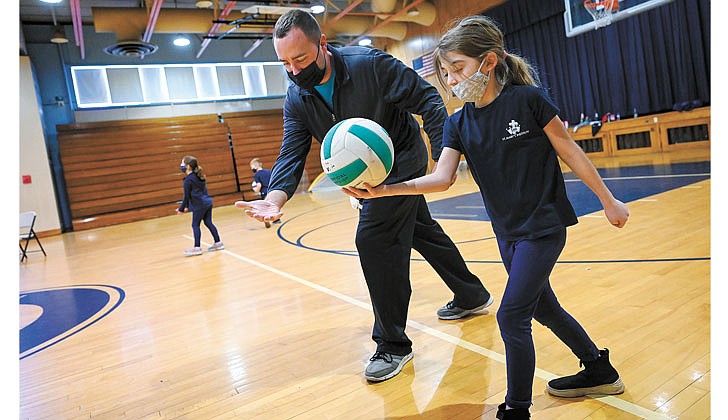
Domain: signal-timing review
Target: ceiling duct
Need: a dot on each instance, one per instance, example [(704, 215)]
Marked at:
[(131, 49), (383, 6), (357, 25), (129, 24)]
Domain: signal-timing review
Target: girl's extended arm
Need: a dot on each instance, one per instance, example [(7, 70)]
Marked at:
[(439, 180), (577, 160)]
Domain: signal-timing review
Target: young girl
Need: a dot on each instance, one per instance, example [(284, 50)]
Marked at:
[(510, 134), (199, 202)]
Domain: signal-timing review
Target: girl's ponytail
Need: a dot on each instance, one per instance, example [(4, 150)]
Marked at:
[(196, 168)]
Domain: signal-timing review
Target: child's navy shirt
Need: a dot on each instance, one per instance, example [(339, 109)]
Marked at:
[(513, 162)]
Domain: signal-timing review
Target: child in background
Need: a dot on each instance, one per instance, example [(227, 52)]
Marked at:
[(261, 180), (197, 200), (261, 177)]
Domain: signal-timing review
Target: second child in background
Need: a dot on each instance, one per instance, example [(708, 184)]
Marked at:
[(261, 180), (199, 202)]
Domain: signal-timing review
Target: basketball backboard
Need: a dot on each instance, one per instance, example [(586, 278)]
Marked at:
[(578, 20)]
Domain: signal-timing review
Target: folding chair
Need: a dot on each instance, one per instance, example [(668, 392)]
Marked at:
[(27, 221)]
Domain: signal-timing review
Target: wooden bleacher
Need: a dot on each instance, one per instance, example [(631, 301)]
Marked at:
[(123, 171)]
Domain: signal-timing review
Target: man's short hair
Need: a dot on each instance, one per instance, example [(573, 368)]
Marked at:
[(300, 19)]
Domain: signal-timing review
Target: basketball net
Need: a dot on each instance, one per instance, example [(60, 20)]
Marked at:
[(602, 11)]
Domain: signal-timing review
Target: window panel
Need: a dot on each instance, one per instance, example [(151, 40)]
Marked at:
[(90, 86), (154, 84), (276, 79), (230, 80), (180, 83), (254, 80), (124, 85), (206, 82)]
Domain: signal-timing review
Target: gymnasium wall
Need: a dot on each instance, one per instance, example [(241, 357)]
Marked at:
[(37, 196)]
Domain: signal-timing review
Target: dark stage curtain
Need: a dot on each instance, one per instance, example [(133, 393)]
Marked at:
[(651, 61)]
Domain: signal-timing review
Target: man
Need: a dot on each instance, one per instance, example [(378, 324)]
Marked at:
[(330, 85)]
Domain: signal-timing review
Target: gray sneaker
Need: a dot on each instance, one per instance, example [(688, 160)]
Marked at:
[(193, 251), (383, 366), (450, 311), (216, 246)]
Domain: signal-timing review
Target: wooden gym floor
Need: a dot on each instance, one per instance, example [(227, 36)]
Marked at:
[(117, 323)]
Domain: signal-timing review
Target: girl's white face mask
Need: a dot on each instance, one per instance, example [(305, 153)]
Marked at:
[(472, 88)]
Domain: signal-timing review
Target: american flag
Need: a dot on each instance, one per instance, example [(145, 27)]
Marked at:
[(424, 65)]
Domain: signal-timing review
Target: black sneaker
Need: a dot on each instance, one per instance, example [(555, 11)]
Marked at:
[(450, 311), (512, 414), (598, 377)]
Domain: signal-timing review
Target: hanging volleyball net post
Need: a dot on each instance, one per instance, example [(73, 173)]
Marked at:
[(602, 11)]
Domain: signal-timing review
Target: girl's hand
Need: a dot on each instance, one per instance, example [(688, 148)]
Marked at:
[(180, 212), (366, 192), (617, 213)]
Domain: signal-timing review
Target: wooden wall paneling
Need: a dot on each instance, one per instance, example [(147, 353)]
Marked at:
[(667, 121), (123, 166)]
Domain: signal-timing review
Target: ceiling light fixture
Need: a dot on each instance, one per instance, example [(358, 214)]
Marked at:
[(181, 41), (365, 42), (318, 8), (203, 4), (51, 1), (59, 37)]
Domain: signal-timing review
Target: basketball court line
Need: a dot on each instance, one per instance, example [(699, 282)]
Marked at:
[(613, 401)]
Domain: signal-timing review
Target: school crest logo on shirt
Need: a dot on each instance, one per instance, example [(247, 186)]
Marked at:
[(514, 129)]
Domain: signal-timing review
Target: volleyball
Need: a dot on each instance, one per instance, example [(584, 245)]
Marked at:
[(355, 151)]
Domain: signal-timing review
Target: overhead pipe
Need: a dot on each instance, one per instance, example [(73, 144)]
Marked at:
[(152, 20), (386, 21), (77, 26), (226, 11)]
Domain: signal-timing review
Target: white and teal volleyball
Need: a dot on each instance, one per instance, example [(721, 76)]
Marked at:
[(357, 150)]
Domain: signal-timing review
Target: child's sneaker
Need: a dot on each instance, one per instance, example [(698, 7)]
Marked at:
[(194, 251), (216, 246), (598, 377), (512, 413)]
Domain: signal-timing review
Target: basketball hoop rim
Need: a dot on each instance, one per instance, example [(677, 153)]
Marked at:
[(606, 3)]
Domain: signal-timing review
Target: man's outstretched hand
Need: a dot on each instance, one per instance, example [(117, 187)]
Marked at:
[(260, 210)]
